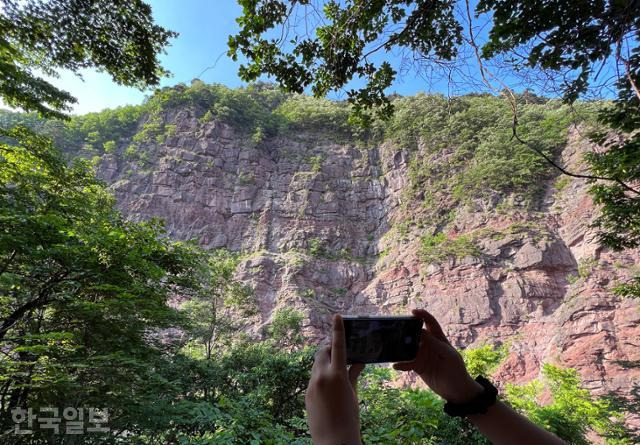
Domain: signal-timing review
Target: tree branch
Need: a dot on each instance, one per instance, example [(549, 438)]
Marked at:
[(5, 266), (39, 301), (19, 313), (627, 66)]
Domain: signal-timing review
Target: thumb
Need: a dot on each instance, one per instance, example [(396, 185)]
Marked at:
[(354, 373), (404, 366)]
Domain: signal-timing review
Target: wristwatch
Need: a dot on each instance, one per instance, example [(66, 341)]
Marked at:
[(478, 405)]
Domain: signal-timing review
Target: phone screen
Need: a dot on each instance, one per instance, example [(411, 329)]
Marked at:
[(382, 339)]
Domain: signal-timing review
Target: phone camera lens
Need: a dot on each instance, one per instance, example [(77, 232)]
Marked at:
[(408, 340)]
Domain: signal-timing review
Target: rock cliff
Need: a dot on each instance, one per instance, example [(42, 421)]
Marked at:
[(323, 226)]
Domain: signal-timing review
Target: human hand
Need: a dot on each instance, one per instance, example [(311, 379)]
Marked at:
[(440, 365), (331, 400)]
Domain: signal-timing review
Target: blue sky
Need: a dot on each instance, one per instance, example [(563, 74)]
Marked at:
[(200, 52)]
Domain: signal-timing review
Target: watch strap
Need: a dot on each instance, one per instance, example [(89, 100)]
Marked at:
[(478, 405)]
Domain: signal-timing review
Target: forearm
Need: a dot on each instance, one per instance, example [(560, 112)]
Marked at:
[(337, 441), (336, 438), (503, 426)]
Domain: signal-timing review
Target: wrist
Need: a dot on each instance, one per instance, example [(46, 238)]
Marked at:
[(480, 404), (337, 438), (338, 441), (465, 392)]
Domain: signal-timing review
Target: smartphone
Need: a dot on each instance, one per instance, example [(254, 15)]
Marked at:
[(382, 339)]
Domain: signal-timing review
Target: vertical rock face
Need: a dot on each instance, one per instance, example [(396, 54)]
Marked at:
[(315, 218)]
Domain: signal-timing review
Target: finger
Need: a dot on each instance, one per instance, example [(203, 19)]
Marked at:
[(354, 373), (322, 359), (404, 366), (418, 362), (424, 339), (431, 324), (338, 344)]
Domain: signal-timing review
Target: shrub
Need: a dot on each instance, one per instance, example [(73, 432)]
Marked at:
[(462, 149), (573, 411), (245, 179), (130, 152), (438, 248), (316, 163), (484, 360), (302, 112), (109, 147), (308, 293), (285, 328), (258, 136), (316, 247), (562, 183)]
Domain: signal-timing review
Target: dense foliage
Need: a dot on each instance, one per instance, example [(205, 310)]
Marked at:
[(581, 412), (86, 319), (80, 286), (41, 37), (462, 155), (619, 222), (250, 110), (393, 415), (260, 111)]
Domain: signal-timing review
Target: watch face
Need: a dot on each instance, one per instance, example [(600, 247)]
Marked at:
[(378, 340)]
